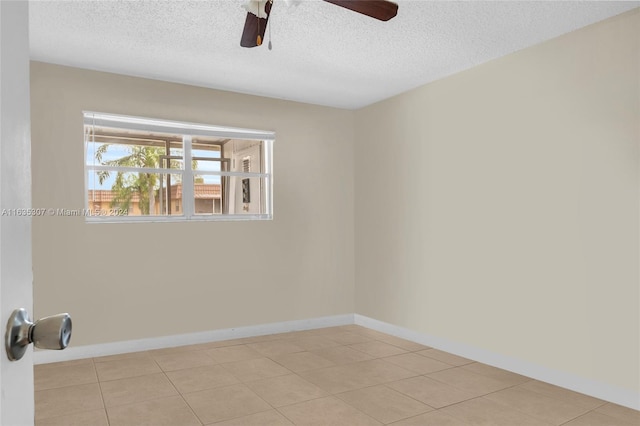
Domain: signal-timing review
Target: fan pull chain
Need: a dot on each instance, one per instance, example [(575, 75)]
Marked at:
[(259, 39), (270, 45)]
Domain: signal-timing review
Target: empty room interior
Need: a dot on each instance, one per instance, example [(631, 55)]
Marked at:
[(432, 220)]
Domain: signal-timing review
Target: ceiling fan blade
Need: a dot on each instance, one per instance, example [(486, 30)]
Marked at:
[(254, 27), (378, 9)]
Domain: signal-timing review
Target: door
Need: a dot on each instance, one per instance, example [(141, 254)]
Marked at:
[(16, 377)]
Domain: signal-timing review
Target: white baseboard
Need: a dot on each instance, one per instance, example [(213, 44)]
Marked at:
[(103, 349), (565, 380)]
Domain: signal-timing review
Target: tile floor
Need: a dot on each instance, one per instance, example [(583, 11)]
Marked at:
[(335, 376)]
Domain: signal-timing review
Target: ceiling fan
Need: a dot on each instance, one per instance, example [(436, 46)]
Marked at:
[(258, 15)]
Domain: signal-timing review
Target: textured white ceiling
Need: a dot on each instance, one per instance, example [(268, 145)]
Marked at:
[(322, 54)]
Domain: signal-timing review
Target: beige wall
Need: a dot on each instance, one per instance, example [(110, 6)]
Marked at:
[(498, 208), (132, 281)]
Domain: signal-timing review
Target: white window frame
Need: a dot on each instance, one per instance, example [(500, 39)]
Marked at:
[(187, 130)]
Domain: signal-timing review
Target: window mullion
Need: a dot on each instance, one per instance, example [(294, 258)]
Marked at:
[(188, 199)]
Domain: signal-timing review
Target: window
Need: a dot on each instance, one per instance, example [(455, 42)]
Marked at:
[(139, 169)]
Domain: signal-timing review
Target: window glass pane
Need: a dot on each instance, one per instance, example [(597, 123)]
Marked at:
[(116, 193), (207, 154), (230, 195), (207, 191), (128, 148), (170, 195), (244, 156)]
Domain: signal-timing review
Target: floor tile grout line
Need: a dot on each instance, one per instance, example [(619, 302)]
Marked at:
[(104, 404), (444, 406), (636, 412), (436, 359), (57, 416), (292, 372), (263, 357), (129, 377), (121, 357), (390, 388), (399, 347), (422, 414), (64, 386), (474, 398), (473, 373), (235, 384), (594, 410), (531, 415), (323, 397), (560, 397), (134, 377), (518, 385), (144, 400), (433, 359), (183, 398), (408, 396), (67, 385), (285, 416), (76, 411), (575, 418)]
